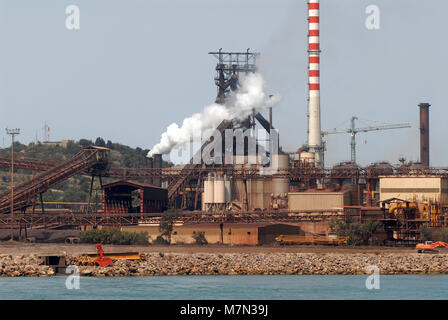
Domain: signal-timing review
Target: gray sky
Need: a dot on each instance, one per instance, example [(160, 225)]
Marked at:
[(136, 66)]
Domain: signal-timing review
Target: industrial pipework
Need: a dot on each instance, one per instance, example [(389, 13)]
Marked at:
[(314, 127)]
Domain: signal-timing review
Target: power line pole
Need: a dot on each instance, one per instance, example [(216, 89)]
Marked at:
[(12, 133)]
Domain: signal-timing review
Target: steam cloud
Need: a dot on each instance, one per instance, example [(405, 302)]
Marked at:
[(239, 105)]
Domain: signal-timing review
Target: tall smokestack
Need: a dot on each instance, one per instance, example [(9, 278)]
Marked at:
[(157, 164), (150, 164), (424, 133), (314, 130)]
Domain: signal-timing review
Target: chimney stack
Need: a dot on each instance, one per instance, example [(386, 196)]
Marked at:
[(424, 133), (157, 164), (314, 129)]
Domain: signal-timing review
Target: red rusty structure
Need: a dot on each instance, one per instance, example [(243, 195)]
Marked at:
[(93, 160), (424, 133), (102, 260), (125, 197), (299, 173), (69, 219), (29, 163)]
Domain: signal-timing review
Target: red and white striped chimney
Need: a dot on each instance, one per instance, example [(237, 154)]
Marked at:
[(314, 129)]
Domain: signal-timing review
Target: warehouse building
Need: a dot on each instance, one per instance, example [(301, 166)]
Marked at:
[(318, 201), (414, 188), (133, 197), (225, 233)]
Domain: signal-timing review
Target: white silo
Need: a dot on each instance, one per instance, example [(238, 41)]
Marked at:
[(280, 184), (307, 157), (227, 189), (208, 192), (219, 194)]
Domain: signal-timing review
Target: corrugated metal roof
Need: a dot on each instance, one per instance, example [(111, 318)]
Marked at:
[(137, 185)]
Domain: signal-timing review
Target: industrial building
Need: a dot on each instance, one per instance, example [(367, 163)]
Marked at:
[(242, 201), (132, 197), (319, 201), (421, 189), (224, 233)]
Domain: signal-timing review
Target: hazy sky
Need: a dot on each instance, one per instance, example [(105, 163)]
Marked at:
[(136, 66)]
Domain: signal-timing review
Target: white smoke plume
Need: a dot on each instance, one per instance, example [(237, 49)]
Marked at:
[(239, 105)]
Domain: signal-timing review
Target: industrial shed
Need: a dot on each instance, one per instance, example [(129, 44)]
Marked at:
[(132, 197), (318, 201), (416, 188), (268, 233), (226, 233)]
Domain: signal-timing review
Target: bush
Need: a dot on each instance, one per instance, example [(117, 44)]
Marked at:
[(430, 234), (356, 232), (113, 236), (166, 226), (200, 238), (161, 240)]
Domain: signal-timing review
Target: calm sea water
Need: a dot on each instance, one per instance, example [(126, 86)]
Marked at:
[(228, 287)]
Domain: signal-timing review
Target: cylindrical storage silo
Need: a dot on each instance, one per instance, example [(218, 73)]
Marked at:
[(258, 194), (250, 197), (307, 157), (208, 191), (219, 194), (228, 190), (255, 195), (280, 184), (267, 190), (237, 189), (280, 161), (239, 160)]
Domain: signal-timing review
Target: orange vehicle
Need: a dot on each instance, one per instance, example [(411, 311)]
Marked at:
[(311, 239), (430, 247)]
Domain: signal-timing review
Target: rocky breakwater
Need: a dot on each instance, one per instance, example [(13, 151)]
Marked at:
[(154, 264), (23, 266)]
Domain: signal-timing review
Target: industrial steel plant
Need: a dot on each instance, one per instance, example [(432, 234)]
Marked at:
[(246, 190)]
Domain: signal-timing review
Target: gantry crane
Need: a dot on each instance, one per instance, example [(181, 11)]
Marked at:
[(353, 131)]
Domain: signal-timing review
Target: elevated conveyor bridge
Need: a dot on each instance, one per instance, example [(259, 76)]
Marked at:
[(92, 160)]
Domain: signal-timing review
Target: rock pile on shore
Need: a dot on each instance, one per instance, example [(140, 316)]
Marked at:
[(154, 264), (23, 266)]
